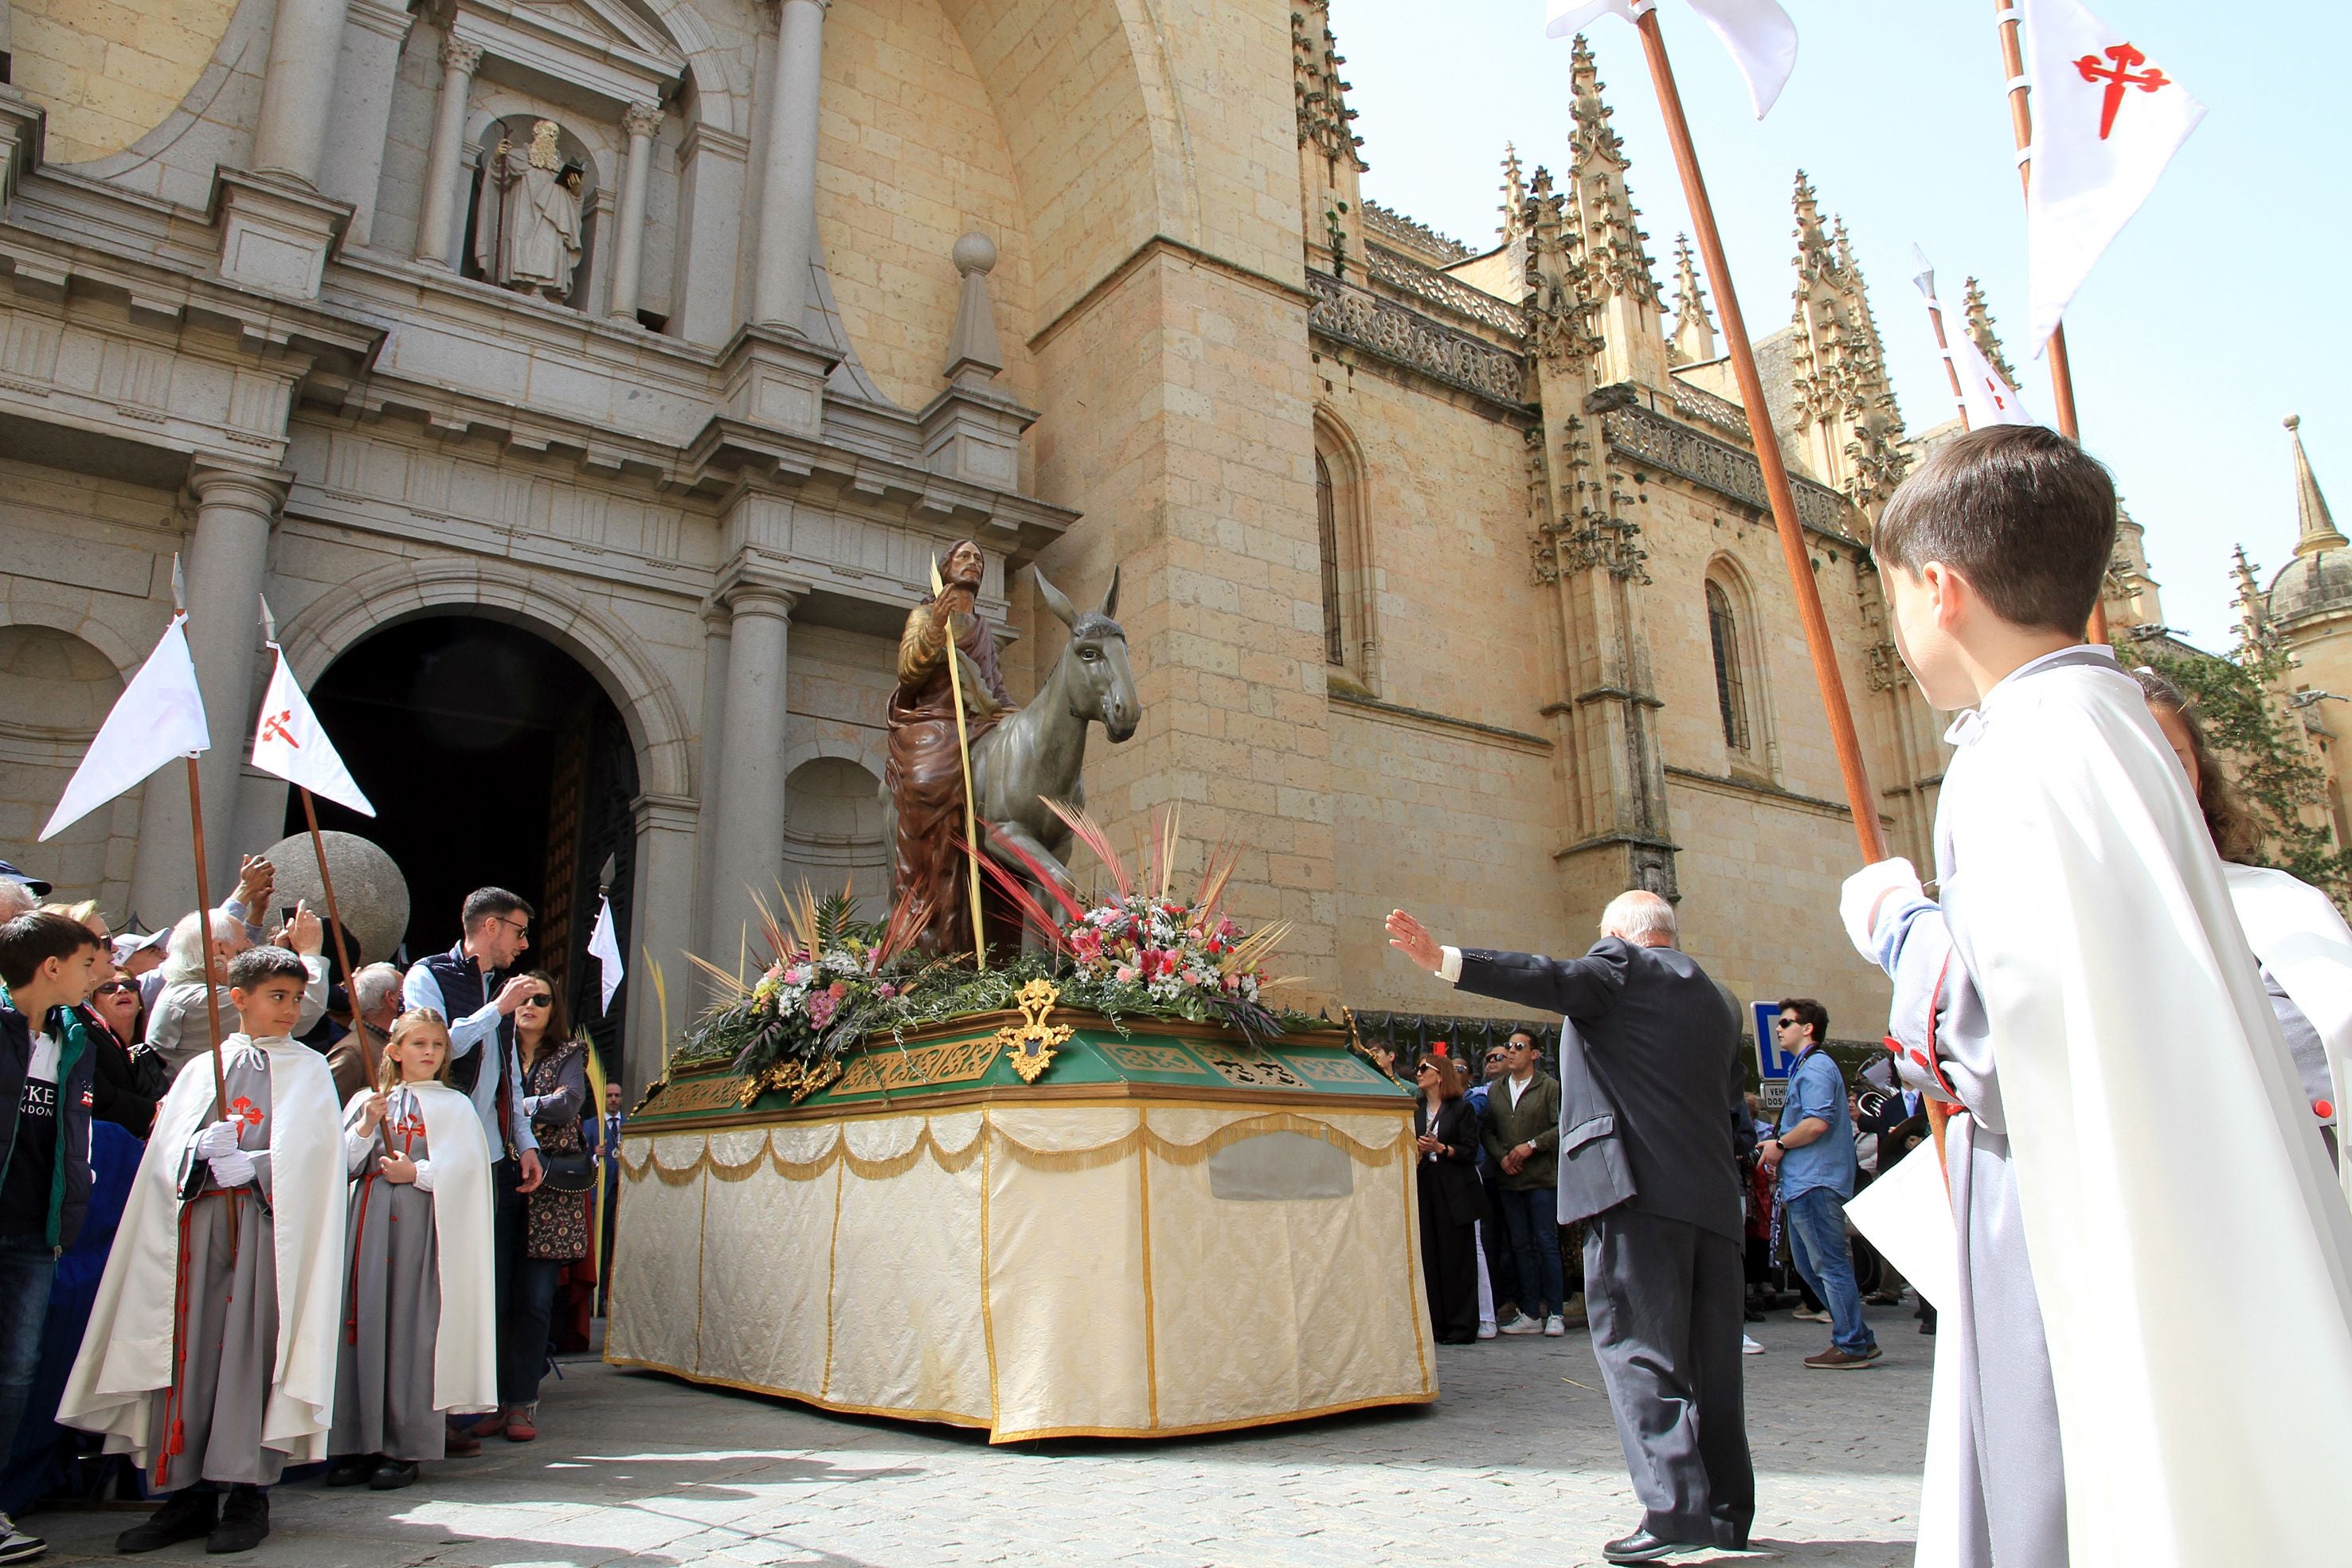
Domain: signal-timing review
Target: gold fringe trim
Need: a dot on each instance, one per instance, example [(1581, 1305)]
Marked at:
[(1121, 1148)]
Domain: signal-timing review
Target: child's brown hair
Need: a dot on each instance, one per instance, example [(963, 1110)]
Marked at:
[(2025, 515)]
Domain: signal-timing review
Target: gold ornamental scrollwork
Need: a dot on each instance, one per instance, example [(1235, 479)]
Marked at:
[(794, 1078), (1032, 1043)]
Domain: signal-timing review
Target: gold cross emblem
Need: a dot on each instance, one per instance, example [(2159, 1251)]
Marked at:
[(1031, 1042)]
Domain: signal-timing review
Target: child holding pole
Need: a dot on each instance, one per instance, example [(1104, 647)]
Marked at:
[(419, 1340), (2081, 979), (210, 1354)]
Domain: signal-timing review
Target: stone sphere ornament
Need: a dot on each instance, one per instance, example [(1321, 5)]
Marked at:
[(371, 894), (974, 252)]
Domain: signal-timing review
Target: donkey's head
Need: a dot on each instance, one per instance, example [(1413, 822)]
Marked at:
[(1094, 666)]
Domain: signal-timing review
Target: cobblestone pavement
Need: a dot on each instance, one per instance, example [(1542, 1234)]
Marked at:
[(1516, 1461)]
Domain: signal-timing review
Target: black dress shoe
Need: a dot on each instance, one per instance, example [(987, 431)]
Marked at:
[(186, 1514), (393, 1474), (351, 1470), (244, 1521), (1640, 1547)]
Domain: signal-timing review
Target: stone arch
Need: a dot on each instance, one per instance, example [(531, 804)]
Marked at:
[(1343, 502), (721, 91), (56, 688), (1741, 683), (1110, 108), (16, 610), (402, 591)]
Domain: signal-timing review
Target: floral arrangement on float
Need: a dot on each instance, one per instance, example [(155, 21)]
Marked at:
[(1134, 948)]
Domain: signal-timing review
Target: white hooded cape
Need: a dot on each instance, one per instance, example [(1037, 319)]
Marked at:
[(126, 1353), (465, 1348), (2300, 938), (2191, 1252)]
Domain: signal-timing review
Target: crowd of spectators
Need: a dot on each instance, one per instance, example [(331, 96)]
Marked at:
[(142, 1018), (1489, 1174)]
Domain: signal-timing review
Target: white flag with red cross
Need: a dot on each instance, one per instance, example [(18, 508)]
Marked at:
[(2107, 120), (1761, 39), (160, 715), (288, 741)]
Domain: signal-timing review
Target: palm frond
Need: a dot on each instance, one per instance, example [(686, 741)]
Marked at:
[(1215, 873), (1169, 829), (1090, 834), (1016, 892), (732, 984), (899, 932)]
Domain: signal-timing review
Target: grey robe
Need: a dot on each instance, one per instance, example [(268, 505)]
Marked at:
[(224, 1333), (392, 1302)]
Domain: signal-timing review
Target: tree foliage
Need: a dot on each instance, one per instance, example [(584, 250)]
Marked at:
[(2275, 774)]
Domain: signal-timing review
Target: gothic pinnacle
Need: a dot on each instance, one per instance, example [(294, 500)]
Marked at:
[(2315, 529)]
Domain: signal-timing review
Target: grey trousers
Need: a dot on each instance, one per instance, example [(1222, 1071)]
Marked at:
[(1665, 1304)]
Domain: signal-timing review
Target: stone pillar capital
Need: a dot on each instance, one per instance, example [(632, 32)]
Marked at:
[(461, 56), (642, 119), (665, 813), (749, 588), (259, 490)]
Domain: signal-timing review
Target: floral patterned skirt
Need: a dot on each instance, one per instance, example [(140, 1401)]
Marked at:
[(556, 1223)]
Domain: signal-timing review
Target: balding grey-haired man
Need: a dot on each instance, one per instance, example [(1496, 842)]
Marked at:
[(1650, 1072)]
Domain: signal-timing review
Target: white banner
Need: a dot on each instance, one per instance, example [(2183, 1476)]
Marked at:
[(1758, 34), (288, 741), (160, 715)]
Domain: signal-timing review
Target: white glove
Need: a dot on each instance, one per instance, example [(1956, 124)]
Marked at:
[(1865, 895), (217, 1140), (232, 1169)]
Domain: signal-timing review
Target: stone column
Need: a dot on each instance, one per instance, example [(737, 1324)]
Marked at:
[(716, 639), (437, 229), (749, 853), (642, 121), (298, 88), (661, 908), (788, 182), (226, 560)]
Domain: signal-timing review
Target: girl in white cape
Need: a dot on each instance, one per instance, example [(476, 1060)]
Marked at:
[(418, 1341), (2299, 939)]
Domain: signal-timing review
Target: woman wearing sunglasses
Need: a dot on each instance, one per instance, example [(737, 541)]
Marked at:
[(555, 1227), (127, 1080)]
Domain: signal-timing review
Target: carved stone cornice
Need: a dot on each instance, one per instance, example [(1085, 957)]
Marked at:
[(1725, 469), (1398, 229), (1391, 331), (1402, 273)]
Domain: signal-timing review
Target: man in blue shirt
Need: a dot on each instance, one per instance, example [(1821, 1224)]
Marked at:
[(1814, 1154)]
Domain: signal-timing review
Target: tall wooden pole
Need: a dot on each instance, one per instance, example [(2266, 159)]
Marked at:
[(2020, 124), (214, 979), (1944, 346), (1793, 550), (335, 925)]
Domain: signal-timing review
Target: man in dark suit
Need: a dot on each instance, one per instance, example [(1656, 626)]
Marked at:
[(1649, 1073)]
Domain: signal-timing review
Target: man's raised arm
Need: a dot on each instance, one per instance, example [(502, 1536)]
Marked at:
[(1577, 988)]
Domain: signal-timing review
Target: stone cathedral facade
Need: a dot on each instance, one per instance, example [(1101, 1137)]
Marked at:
[(586, 384)]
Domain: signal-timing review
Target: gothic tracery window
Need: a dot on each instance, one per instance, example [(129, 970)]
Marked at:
[(1326, 524), (1730, 689)]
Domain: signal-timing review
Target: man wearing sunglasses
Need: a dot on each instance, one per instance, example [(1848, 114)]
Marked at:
[(1813, 1155)]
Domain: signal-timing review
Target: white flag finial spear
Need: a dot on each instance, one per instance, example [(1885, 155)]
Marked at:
[(1924, 277), (269, 623), (179, 587)]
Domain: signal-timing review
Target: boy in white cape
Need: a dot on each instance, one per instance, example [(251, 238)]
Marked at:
[(2149, 1360), (212, 1364)]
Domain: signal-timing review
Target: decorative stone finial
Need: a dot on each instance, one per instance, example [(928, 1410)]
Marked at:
[(2315, 528), (974, 355), (975, 252)]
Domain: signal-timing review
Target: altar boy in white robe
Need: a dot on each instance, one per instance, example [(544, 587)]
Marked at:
[(2150, 1362), (210, 1355), (419, 1341)]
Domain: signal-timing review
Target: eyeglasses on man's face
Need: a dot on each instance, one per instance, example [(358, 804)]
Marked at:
[(519, 927), (1788, 1023)]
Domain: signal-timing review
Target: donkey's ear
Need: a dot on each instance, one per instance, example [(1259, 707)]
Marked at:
[(1055, 599), (1110, 596)]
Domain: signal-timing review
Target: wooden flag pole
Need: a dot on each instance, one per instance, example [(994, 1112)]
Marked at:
[(1951, 371), (214, 979), (2007, 23), (1793, 551), (335, 925)]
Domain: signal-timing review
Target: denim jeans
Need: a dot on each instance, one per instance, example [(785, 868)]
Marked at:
[(1533, 1219), (26, 1268), (1818, 1243)]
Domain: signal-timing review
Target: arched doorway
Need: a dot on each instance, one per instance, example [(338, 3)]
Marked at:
[(54, 691), (493, 757)]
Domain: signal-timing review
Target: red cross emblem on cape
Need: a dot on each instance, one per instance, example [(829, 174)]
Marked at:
[(245, 1113), (2118, 76)]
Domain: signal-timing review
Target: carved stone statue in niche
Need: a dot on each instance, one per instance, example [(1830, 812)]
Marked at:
[(526, 227)]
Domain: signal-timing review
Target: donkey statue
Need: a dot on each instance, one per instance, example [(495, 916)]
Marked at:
[(1036, 752)]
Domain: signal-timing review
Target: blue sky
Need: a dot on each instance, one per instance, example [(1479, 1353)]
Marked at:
[(2213, 315)]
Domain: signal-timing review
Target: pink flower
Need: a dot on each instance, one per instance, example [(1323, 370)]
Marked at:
[(837, 990), (822, 1006), (1125, 973)]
